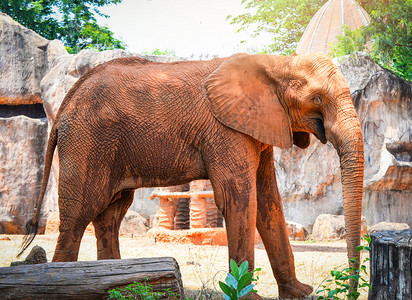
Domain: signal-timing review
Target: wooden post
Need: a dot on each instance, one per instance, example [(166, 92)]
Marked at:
[(88, 279), (391, 265)]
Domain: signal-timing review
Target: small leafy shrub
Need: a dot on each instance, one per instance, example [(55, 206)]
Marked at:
[(238, 281), (157, 51), (140, 290), (342, 279)]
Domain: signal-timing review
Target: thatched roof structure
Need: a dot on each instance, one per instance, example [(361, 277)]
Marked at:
[(327, 23)]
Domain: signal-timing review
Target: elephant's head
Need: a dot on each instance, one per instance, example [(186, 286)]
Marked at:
[(280, 100)]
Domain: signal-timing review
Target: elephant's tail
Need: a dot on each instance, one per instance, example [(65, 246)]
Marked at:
[(33, 224)]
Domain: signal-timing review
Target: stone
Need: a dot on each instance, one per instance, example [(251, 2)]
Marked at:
[(357, 69), (387, 226), (133, 225), (329, 227), (296, 232), (141, 203), (22, 141), (37, 255), (25, 59)]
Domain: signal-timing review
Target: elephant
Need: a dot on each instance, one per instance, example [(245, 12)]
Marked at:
[(127, 124)]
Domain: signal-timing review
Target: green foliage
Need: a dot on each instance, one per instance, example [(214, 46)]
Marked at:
[(160, 52), (140, 290), (71, 21), (285, 20), (238, 282), (342, 278), (350, 41), (389, 32)]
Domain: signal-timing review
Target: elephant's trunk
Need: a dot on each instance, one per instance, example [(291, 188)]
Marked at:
[(346, 136)]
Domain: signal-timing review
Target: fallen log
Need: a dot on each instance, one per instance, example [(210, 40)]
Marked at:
[(88, 279), (391, 265)]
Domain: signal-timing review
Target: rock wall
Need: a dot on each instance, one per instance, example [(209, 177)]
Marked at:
[(25, 58), (385, 109), (35, 71), (35, 75)]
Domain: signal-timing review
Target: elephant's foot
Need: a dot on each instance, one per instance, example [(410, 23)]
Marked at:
[(294, 289)]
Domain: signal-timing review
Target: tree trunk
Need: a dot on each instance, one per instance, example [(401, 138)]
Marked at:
[(88, 279), (391, 265)]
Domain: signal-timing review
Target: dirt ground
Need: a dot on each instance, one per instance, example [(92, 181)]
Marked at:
[(203, 266)]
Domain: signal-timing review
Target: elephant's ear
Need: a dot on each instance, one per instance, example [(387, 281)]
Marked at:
[(242, 95), (301, 139)]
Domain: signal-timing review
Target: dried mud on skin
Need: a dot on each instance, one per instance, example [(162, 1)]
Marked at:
[(203, 266)]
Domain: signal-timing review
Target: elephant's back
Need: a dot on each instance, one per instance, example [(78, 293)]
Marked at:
[(158, 110)]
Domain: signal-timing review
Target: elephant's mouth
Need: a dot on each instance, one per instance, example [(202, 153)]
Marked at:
[(320, 130)]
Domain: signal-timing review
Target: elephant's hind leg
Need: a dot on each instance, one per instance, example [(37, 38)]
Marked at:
[(107, 226), (272, 228), (74, 218)]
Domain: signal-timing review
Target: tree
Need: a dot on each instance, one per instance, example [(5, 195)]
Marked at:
[(286, 20), (71, 21), (389, 33)]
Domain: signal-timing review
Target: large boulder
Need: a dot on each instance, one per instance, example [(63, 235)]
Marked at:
[(133, 225), (36, 256), (329, 227), (25, 58), (22, 142), (296, 232), (387, 226)]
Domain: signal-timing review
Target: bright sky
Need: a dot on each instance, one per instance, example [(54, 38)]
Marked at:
[(190, 27)]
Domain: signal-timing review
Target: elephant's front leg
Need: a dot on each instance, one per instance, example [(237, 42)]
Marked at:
[(272, 228), (236, 199)]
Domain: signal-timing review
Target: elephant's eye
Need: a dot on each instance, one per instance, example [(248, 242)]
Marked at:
[(316, 100)]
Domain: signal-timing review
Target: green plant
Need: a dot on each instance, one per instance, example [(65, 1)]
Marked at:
[(350, 41), (387, 36), (157, 51), (284, 20), (140, 290), (72, 22), (343, 277), (238, 281)]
